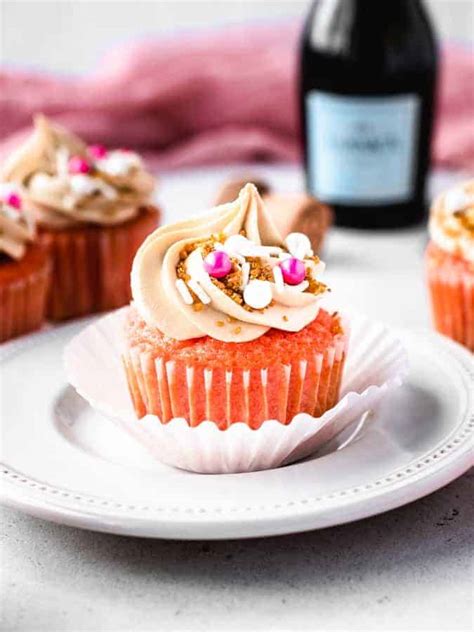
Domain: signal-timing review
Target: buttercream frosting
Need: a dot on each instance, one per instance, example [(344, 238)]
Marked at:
[(16, 226), (451, 222), (173, 291), (110, 190)]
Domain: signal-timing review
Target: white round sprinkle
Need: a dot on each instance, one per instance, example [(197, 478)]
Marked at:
[(298, 245), (258, 294), (118, 163), (83, 185)]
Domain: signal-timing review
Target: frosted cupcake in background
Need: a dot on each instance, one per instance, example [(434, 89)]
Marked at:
[(24, 268), (93, 210), (450, 263), (226, 323)]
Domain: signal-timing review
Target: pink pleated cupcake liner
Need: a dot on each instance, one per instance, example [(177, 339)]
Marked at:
[(23, 303), (92, 264), (452, 301), (376, 363), (173, 389)]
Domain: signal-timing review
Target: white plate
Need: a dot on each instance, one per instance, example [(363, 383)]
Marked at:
[(64, 462)]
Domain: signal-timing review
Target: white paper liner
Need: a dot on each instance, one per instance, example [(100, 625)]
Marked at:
[(376, 363)]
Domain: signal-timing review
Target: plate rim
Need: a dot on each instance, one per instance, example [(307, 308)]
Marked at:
[(436, 468)]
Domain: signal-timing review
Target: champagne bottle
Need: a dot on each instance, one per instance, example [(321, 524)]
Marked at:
[(367, 88)]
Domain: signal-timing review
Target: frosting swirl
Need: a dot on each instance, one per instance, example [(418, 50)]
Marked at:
[(182, 282), (16, 227), (68, 183), (451, 222)]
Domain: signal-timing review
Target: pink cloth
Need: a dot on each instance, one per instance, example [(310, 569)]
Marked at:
[(207, 98)]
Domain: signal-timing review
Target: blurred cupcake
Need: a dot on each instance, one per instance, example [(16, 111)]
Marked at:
[(290, 212), (450, 263), (93, 210), (24, 268), (226, 323)]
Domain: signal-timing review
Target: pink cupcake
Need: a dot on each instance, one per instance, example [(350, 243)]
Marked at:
[(226, 324), (24, 268), (93, 210), (449, 262)]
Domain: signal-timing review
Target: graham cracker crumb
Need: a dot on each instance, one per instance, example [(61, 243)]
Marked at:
[(220, 323), (237, 330)]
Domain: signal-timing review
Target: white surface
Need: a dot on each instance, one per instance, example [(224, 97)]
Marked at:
[(33, 32), (80, 469), (376, 364), (409, 569)]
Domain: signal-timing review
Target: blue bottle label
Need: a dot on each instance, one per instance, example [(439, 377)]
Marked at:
[(362, 150)]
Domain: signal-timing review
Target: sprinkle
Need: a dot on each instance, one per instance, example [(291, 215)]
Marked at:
[(78, 164), (200, 293), (83, 185), (220, 323), (245, 274), (13, 200), (184, 292), (97, 151), (237, 330), (298, 245), (258, 294), (278, 276)]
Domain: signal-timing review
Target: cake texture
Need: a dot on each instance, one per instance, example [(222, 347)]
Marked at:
[(92, 208), (24, 268), (449, 263), (226, 324)]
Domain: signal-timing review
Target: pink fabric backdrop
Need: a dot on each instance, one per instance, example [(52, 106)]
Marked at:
[(213, 97)]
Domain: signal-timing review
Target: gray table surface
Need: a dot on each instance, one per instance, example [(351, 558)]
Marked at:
[(409, 569)]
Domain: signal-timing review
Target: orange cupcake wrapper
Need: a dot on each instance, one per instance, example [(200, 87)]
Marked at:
[(91, 266), (171, 389), (452, 302), (22, 304)]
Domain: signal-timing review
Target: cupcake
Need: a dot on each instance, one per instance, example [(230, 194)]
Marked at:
[(450, 263), (290, 212), (24, 268), (226, 323), (93, 210)]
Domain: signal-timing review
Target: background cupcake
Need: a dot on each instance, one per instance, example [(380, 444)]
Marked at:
[(450, 263), (24, 268), (93, 210), (227, 324)]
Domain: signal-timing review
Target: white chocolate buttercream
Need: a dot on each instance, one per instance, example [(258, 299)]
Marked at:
[(111, 193), (16, 226), (161, 301)]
